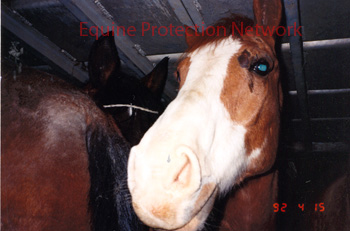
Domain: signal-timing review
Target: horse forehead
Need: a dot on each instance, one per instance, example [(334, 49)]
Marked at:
[(209, 63), (216, 51)]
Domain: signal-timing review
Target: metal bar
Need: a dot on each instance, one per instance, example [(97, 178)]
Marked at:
[(325, 119), (188, 12), (157, 58), (323, 91), (296, 50), (25, 4), (330, 147), (193, 9), (181, 13), (317, 44), (328, 43), (40, 43), (325, 147), (101, 18)]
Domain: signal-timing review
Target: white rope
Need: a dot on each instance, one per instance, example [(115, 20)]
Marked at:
[(130, 106)]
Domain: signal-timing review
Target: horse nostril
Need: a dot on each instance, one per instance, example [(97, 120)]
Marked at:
[(184, 171)]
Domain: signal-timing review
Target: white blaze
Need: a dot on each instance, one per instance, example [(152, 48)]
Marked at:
[(198, 119)]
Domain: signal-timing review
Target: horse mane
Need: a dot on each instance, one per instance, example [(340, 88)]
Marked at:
[(223, 29)]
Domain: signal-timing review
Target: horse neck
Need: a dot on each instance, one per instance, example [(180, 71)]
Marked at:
[(250, 207)]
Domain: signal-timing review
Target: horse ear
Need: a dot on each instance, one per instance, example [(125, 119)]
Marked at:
[(103, 61), (155, 81), (190, 35), (267, 13)]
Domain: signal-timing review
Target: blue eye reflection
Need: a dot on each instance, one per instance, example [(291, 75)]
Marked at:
[(262, 67)]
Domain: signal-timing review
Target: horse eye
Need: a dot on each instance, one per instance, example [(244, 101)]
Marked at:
[(261, 67)]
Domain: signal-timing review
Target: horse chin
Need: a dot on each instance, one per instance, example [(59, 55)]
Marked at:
[(198, 221), (208, 194)]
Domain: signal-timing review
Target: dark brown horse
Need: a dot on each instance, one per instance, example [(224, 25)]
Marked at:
[(109, 85), (63, 159)]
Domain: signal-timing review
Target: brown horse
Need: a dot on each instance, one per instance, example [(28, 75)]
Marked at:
[(63, 159), (48, 131), (221, 131)]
